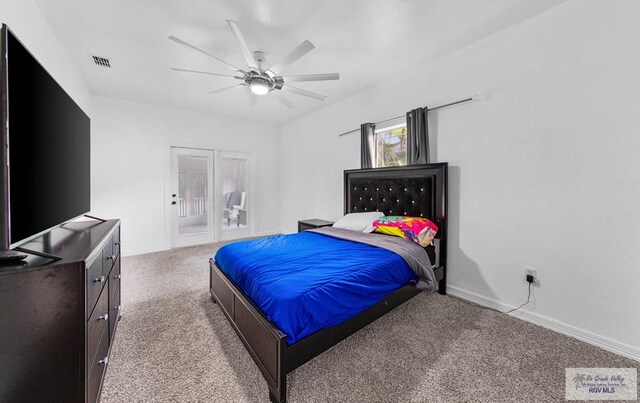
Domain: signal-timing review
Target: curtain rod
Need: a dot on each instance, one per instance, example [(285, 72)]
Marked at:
[(462, 101)]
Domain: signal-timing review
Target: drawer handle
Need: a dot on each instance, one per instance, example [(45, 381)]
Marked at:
[(111, 257), (117, 244), (99, 280), (117, 307), (117, 276), (104, 361), (104, 317)]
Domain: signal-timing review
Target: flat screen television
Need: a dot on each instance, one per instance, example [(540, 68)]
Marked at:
[(46, 179)]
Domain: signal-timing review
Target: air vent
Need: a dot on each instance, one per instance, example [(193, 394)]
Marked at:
[(101, 61)]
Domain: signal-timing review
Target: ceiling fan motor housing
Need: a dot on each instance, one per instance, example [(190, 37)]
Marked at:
[(257, 78), (278, 82)]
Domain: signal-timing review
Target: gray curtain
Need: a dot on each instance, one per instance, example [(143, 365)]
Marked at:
[(417, 137), (367, 145)]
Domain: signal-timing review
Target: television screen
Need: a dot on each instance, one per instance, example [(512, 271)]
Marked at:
[(49, 146)]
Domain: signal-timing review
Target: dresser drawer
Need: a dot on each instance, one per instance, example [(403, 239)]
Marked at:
[(95, 282), (114, 311), (97, 323), (107, 257), (97, 368), (115, 277), (115, 241)]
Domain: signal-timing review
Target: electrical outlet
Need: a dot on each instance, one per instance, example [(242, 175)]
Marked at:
[(530, 271)]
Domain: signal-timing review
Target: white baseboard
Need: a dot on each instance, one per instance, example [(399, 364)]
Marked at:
[(551, 324)]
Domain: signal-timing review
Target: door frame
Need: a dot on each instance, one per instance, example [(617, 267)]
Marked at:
[(251, 199)]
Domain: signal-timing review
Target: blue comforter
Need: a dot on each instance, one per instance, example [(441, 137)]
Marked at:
[(308, 281)]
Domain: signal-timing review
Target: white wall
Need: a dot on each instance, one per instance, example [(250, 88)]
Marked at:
[(27, 22), (131, 160), (545, 173)]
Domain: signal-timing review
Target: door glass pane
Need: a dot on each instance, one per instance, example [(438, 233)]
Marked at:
[(192, 195), (234, 192)]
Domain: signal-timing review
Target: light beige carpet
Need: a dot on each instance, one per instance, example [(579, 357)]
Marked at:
[(174, 344)]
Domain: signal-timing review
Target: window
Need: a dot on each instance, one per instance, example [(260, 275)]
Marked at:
[(391, 145)]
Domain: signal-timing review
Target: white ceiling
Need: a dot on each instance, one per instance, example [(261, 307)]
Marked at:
[(363, 40)]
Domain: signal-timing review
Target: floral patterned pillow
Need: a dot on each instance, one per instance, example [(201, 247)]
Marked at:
[(416, 229)]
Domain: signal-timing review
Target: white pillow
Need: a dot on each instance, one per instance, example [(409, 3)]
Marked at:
[(362, 222)]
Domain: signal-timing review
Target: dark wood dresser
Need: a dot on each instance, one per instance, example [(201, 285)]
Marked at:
[(58, 318)]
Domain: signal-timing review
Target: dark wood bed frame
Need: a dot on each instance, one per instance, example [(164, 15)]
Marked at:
[(417, 190)]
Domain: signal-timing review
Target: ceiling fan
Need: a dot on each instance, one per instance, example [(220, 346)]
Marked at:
[(261, 80)]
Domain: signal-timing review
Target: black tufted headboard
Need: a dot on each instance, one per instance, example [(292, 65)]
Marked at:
[(416, 190)]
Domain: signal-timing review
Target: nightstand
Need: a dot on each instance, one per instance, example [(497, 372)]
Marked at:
[(304, 225)]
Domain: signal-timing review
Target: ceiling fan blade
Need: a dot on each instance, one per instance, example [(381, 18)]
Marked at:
[(312, 77), (284, 100), (188, 45), (248, 56), (204, 72), (300, 50), (305, 92), (225, 88)]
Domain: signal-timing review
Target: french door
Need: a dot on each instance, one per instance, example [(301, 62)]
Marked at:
[(192, 196), (211, 196)]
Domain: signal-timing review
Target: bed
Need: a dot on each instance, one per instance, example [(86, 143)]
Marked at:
[(284, 325)]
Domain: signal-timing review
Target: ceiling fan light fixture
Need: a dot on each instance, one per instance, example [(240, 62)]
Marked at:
[(261, 81), (259, 88)]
